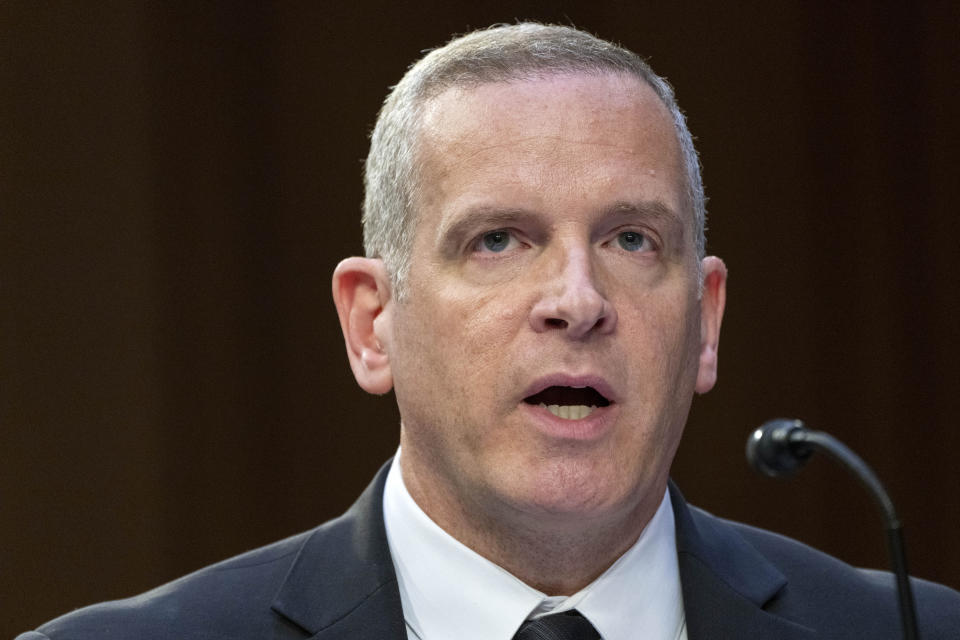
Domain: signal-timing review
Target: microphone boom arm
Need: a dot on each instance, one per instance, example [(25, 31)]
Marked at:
[(780, 447)]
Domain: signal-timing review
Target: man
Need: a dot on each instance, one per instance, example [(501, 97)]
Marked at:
[(536, 293)]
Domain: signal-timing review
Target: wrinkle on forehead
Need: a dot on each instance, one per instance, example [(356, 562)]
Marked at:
[(464, 151)]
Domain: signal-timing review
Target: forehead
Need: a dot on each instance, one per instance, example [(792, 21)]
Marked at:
[(550, 142), (617, 109)]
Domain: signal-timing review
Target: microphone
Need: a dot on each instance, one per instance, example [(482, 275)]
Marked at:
[(779, 448), (772, 452)]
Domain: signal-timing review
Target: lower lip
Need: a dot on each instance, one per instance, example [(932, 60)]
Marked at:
[(592, 427)]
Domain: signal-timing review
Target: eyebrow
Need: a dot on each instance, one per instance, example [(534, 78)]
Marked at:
[(452, 234), (654, 210), (657, 214)]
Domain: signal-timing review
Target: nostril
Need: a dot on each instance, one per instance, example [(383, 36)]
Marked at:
[(557, 323)]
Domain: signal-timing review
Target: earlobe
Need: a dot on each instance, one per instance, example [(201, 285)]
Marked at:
[(361, 292), (712, 301)]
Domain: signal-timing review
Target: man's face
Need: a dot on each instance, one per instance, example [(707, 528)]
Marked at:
[(545, 358)]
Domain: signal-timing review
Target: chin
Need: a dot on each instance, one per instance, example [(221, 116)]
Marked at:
[(566, 490)]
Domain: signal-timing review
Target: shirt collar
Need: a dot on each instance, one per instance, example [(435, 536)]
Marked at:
[(449, 591)]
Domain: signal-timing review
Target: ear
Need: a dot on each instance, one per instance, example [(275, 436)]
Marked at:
[(713, 298), (361, 291)]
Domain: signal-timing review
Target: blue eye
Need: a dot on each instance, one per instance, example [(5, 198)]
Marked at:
[(631, 240), (496, 241)]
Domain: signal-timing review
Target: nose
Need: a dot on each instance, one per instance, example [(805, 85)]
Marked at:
[(571, 302)]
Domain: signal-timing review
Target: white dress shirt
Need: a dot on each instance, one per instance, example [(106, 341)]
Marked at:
[(449, 592)]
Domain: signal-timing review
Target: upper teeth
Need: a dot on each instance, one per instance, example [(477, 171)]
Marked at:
[(569, 412)]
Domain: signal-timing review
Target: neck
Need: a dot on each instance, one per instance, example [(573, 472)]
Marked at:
[(557, 554)]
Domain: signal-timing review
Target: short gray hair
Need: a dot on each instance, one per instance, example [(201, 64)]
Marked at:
[(498, 54)]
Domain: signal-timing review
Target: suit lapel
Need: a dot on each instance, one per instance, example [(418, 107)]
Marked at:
[(726, 582), (342, 583)]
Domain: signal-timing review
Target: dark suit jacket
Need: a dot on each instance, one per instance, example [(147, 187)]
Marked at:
[(337, 582)]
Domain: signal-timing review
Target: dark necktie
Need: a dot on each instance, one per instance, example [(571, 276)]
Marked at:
[(569, 625)]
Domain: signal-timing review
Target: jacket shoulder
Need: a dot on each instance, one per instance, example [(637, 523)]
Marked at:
[(829, 593), (294, 588), (230, 599)]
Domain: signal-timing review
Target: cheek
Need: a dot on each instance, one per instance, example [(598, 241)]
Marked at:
[(662, 338), (478, 322), (459, 340)]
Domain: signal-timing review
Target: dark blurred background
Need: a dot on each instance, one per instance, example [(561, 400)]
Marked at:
[(179, 180)]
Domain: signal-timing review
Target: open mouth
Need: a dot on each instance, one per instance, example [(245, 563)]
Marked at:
[(569, 403)]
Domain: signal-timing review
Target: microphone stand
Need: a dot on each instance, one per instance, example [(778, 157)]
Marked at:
[(779, 447)]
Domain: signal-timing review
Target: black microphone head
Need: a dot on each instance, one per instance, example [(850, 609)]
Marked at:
[(771, 451)]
